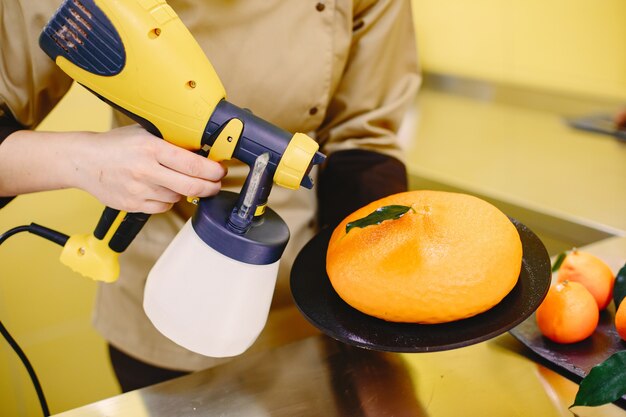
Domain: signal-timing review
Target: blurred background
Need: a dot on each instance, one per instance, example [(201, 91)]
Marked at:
[(572, 47), (500, 76)]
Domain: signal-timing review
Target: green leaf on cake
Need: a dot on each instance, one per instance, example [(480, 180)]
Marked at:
[(378, 216)]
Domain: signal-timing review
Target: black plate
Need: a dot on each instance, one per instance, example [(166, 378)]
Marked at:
[(320, 304)]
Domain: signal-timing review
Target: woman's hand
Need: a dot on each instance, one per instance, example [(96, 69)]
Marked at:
[(126, 168), (130, 169)]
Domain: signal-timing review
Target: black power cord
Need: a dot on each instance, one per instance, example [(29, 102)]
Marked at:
[(60, 239)]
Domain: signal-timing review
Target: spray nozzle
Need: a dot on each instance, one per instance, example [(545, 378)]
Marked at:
[(253, 194), (255, 181)]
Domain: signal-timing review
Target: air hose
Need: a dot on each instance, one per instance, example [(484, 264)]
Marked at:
[(59, 239)]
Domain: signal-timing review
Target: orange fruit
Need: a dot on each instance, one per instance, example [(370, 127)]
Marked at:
[(568, 314), (590, 271), (620, 320), (449, 257)]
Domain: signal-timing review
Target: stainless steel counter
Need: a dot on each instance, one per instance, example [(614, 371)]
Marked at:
[(318, 376), (314, 377), (321, 377)]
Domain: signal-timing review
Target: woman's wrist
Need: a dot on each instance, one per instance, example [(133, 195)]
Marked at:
[(39, 161)]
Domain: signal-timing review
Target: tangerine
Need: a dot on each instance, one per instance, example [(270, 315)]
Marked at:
[(620, 320), (568, 314), (590, 271)]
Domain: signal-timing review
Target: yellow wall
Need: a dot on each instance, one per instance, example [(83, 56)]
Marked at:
[(573, 46), (45, 306)]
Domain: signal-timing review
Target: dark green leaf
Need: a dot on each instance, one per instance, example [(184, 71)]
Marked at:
[(619, 290), (559, 261), (605, 383), (378, 216)]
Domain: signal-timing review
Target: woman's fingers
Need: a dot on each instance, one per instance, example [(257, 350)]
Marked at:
[(163, 194), (153, 207), (187, 173), (189, 163), (186, 185)]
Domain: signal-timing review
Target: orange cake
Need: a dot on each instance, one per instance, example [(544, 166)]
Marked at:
[(445, 257)]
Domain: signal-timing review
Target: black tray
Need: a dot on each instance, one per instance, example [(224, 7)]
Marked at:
[(575, 360), (320, 304)]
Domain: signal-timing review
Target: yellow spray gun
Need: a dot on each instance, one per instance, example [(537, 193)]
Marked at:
[(211, 289), (139, 57)]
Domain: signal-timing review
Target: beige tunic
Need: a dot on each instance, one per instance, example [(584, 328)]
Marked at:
[(342, 71)]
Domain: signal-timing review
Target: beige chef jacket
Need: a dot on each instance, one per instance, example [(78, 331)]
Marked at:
[(342, 71)]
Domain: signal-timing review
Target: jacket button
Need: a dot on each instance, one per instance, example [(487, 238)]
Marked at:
[(320, 6), (313, 111)]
